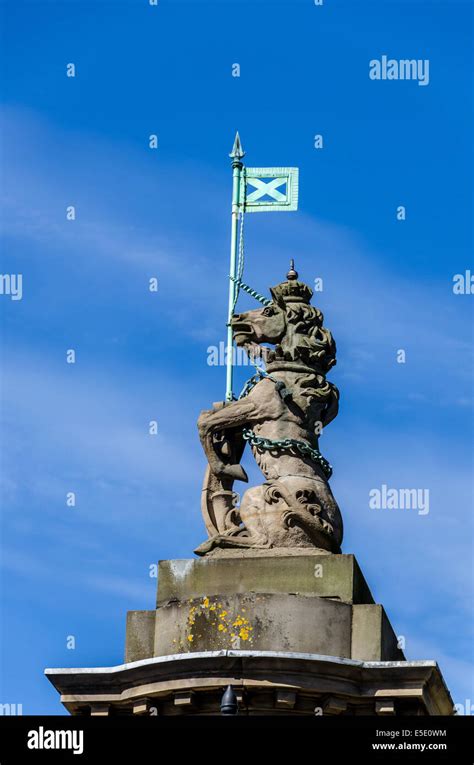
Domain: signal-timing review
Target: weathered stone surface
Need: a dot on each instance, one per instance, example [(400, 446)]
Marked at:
[(328, 576), (373, 637), (257, 621), (140, 635), (315, 604)]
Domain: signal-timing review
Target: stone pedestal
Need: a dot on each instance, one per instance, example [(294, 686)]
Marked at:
[(297, 634), (306, 603)]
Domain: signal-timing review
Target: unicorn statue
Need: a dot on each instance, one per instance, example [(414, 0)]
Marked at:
[(280, 413)]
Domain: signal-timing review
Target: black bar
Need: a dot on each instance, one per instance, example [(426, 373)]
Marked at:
[(237, 739)]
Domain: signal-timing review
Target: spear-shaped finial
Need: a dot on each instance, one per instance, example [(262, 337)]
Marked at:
[(292, 274), (237, 150), (238, 206)]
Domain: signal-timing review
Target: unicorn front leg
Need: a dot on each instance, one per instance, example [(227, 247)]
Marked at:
[(232, 415)]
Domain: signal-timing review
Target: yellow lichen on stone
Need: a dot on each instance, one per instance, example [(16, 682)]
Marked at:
[(245, 628), (191, 616)]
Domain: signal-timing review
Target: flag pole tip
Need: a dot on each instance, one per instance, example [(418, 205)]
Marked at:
[(292, 274), (237, 150)]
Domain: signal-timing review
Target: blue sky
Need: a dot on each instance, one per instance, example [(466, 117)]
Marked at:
[(142, 356)]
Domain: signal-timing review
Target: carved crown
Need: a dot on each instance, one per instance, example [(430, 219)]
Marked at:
[(292, 292)]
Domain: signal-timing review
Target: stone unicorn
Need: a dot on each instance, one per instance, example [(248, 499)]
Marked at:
[(280, 413)]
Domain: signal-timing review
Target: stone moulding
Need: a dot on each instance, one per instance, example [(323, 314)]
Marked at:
[(266, 682)]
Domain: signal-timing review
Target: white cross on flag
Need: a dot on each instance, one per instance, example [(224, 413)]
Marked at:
[(267, 189)]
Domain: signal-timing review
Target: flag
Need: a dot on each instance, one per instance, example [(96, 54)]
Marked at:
[(269, 189)]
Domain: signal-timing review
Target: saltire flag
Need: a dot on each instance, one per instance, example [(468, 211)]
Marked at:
[(269, 189)]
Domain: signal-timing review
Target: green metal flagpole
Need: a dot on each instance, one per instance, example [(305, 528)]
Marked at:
[(275, 190), (236, 154)]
